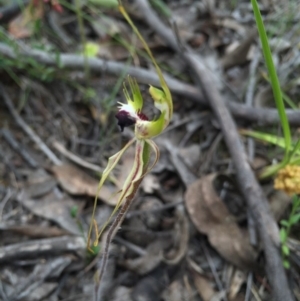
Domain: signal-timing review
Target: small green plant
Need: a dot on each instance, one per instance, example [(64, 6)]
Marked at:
[(286, 226), (288, 170), (94, 249), (289, 150)]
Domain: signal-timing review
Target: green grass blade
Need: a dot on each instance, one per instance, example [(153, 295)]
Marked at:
[(273, 78), (272, 139)]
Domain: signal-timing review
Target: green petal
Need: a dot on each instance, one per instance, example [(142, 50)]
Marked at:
[(137, 102), (161, 103), (168, 97)]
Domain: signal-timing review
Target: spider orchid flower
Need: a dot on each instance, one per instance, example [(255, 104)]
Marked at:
[(130, 114)]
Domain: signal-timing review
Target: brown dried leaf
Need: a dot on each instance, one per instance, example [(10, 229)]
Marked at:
[(279, 201), (176, 291), (237, 281), (33, 231), (54, 207), (239, 55), (77, 182), (147, 263), (23, 25), (203, 287), (150, 184), (211, 217)]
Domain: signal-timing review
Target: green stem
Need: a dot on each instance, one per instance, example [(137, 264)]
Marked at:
[(83, 39)]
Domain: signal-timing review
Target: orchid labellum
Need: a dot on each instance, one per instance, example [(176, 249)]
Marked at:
[(131, 114)]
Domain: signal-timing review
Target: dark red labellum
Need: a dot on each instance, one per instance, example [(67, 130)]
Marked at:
[(142, 116), (124, 119)]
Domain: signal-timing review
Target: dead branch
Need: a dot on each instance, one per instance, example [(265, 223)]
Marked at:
[(256, 200), (22, 124), (41, 247), (40, 273), (76, 62), (19, 148)]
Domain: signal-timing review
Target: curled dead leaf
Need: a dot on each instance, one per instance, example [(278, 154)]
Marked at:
[(211, 217)]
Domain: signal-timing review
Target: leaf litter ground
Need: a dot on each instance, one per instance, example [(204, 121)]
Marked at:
[(188, 235)]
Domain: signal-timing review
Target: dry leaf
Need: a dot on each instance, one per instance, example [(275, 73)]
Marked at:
[(237, 281), (54, 207), (147, 263), (121, 293), (33, 231), (211, 217), (77, 182), (239, 55), (23, 25), (203, 287), (176, 291), (279, 202), (150, 184)]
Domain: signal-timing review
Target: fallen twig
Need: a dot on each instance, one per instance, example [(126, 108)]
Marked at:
[(60, 148), (8, 136), (76, 62), (22, 124), (40, 273), (41, 247), (253, 194)]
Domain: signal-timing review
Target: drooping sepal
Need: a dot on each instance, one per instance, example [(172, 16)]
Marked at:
[(112, 162)]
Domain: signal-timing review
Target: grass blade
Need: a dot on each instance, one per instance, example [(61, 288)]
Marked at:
[(273, 78)]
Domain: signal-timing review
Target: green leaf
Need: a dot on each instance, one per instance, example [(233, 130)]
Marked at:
[(94, 250), (285, 250), (272, 139), (273, 78), (74, 211), (161, 7), (295, 219), (104, 3), (296, 201), (286, 264), (283, 235), (284, 223)]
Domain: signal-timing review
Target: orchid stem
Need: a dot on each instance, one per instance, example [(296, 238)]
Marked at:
[(110, 235), (144, 147)]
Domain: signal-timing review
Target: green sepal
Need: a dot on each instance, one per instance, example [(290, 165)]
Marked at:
[(112, 162), (129, 188), (168, 96)]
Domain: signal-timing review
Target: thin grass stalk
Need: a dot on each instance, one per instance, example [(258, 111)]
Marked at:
[(273, 79)]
